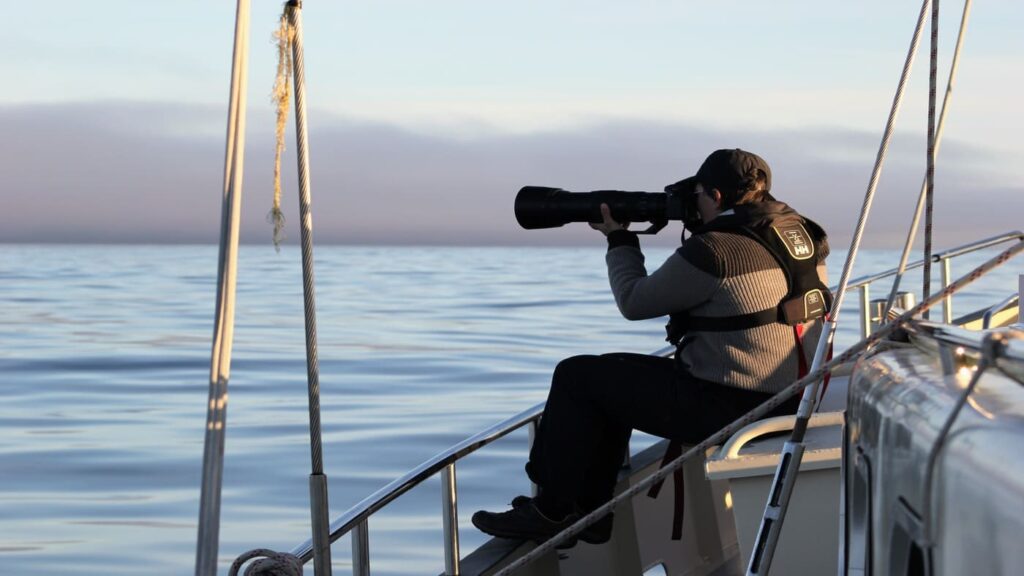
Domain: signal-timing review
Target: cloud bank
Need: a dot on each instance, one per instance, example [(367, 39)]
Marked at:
[(151, 173)]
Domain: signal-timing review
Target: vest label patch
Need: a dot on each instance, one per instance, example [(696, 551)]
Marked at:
[(796, 240), (814, 304)]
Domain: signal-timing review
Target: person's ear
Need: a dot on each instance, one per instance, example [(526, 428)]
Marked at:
[(717, 197)]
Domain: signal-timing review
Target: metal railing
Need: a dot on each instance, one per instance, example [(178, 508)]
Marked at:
[(944, 258), (990, 314), (356, 519)]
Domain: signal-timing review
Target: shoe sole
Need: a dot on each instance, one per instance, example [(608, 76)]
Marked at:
[(510, 535), (587, 535)]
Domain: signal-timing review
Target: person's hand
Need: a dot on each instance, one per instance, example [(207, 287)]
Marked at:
[(609, 225)]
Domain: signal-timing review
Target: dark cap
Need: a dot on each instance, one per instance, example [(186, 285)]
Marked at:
[(728, 170), (733, 169)]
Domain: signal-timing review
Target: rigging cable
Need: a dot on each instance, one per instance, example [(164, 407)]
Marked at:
[(916, 221), (289, 36), (318, 501), (926, 290)]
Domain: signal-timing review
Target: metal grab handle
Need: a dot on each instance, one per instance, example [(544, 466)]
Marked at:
[(986, 320), (731, 449)]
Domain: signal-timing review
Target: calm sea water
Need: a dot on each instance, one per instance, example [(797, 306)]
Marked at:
[(104, 362)]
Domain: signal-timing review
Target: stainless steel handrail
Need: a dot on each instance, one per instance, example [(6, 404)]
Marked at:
[(755, 430), (986, 320), (978, 245), (944, 257), (374, 502), (359, 513), (938, 256)]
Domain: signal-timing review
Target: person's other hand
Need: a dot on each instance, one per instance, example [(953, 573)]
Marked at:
[(609, 225)]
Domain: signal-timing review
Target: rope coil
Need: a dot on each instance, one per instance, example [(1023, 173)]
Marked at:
[(270, 563)]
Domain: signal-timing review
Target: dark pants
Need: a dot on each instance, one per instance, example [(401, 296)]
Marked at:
[(593, 406)]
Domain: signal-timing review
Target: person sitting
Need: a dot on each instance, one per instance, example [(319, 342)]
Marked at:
[(739, 292)]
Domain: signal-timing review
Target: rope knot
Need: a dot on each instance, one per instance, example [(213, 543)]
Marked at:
[(270, 563)]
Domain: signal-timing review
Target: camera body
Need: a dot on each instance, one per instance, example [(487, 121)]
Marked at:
[(542, 207)]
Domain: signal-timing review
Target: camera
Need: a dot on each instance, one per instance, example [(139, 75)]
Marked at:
[(541, 207)]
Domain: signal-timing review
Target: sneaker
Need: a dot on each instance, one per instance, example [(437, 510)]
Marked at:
[(524, 522), (597, 533)]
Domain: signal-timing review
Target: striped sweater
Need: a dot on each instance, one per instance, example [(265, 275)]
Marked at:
[(717, 273)]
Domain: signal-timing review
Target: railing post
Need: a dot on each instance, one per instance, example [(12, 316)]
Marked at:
[(532, 431), (450, 513), (865, 310), (947, 304), (361, 549)]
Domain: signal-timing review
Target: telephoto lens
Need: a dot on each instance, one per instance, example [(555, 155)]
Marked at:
[(542, 207)]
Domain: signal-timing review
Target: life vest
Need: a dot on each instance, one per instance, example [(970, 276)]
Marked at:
[(792, 242), (794, 247)]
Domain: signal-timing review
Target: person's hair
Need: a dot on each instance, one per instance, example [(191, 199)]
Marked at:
[(751, 190)]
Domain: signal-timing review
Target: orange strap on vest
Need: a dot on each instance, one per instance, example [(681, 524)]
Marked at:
[(802, 370), (798, 334)]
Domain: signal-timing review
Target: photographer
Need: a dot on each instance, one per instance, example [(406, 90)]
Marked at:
[(741, 292)]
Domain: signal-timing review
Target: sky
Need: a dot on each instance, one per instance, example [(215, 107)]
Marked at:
[(425, 118)]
